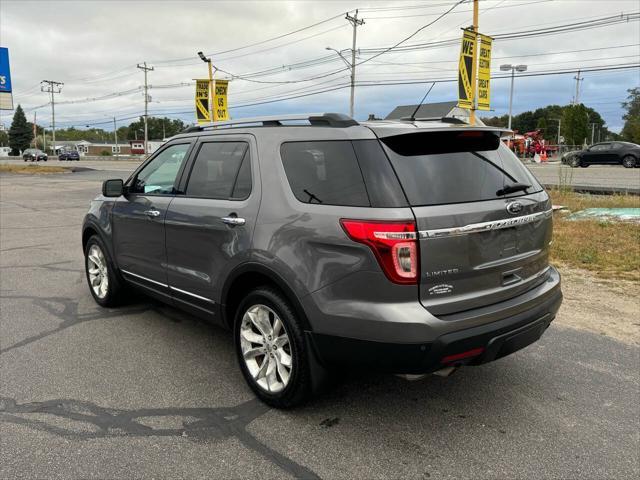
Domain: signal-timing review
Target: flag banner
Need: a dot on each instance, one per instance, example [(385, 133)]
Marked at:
[(466, 70), (220, 111), (484, 73), (203, 112)]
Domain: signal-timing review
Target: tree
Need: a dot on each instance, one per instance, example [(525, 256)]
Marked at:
[(158, 128), (4, 138), (631, 130), (20, 133), (575, 121)]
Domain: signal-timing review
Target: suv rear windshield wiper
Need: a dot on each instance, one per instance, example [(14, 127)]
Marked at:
[(512, 188)]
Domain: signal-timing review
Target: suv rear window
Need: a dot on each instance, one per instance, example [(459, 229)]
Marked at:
[(453, 167), (324, 172)]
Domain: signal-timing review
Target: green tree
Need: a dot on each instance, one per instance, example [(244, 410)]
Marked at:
[(575, 124), (631, 129), (20, 133), (158, 128)]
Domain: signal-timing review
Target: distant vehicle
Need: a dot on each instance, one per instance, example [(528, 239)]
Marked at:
[(69, 156), (5, 151), (33, 154), (606, 153)]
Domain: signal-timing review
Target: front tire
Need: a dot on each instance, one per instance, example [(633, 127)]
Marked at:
[(104, 284), (629, 161), (271, 349), (575, 162)]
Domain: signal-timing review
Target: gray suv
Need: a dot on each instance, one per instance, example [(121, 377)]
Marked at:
[(410, 246)]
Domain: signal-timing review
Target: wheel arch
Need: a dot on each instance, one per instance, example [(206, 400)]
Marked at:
[(251, 275)]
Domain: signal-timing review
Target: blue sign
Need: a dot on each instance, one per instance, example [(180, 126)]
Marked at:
[(5, 74)]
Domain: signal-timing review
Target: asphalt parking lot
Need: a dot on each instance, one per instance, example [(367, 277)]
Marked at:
[(146, 391)]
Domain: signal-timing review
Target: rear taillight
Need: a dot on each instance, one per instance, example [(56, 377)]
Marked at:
[(393, 243)]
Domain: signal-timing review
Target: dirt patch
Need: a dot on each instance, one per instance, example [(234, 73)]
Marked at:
[(604, 306), (33, 169)]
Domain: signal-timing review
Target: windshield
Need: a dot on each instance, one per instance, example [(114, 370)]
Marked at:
[(436, 168)]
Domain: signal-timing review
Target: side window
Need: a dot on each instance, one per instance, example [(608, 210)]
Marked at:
[(159, 175), (324, 172), (216, 168), (616, 146)]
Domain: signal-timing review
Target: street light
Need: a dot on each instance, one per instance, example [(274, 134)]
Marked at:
[(352, 66), (514, 69), (208, 62)]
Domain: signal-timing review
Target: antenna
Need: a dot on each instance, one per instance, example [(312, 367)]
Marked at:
[(413, 115)]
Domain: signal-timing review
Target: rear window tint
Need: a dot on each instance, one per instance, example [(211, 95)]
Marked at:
[(435, 169), (215, 169), (324, 172)]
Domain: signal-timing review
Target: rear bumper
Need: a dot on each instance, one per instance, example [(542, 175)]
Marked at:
[(491, 341)]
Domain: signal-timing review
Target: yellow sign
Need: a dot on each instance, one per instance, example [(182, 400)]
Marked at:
[(484, 73), (203, 112), (220, 111), (466, 70)]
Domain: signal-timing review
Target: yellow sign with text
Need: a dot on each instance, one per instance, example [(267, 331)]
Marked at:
[(220, 110), (203, 112), (466, 70), (484, 73)]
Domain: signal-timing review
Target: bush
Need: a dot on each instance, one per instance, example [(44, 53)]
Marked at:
[(105, 153)]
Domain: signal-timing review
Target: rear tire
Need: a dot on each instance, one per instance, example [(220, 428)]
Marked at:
[(104, 282), (268, 336), (629, 161)]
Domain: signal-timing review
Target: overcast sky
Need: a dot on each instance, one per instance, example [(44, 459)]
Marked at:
[(94, 46)]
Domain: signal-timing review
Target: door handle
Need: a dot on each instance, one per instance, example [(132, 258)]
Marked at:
[(152, 213), (232, 220)]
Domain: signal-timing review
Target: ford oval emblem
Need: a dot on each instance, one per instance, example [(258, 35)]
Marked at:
[(514, 208)]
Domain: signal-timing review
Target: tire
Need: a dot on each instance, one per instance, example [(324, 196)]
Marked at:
[(629, 161), (274, 389), (113, 294), (574, 162)]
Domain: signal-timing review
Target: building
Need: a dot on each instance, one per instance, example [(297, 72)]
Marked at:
[(84, 147), (137, 146)]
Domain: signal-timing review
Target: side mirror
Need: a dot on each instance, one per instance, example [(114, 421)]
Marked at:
[(113, 187)]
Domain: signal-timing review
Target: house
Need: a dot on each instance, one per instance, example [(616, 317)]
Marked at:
[(137, 146), (429, 110)]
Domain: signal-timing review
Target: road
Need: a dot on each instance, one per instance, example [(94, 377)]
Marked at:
[(596, 176), (146, 391)]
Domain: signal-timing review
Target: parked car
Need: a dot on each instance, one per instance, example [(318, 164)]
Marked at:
[(68, 155), (606, 153), (34, 155), (410, 247)]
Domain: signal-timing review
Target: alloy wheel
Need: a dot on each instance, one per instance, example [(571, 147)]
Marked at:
[(97, 270), (265, 347)]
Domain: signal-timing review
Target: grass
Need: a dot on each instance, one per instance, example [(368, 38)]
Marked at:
[(31, 169), (609, 249)]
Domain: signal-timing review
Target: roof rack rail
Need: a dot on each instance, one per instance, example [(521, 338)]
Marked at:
[(455, 120), (336, 120)]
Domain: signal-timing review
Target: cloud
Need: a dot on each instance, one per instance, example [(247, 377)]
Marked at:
[(94, 46)]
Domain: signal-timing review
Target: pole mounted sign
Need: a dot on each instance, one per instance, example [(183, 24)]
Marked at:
[(203, 111), (6, 98), (484, 73), (220, 111), (466, 70)]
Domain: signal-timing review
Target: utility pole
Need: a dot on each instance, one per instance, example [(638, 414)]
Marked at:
[(578, 80), (115, 134), (52, 87), (472, 112), (355, 22), (35, 130), (593, 130), (145, 69)]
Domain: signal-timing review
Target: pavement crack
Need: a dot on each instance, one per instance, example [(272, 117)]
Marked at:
[(198, 424)]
